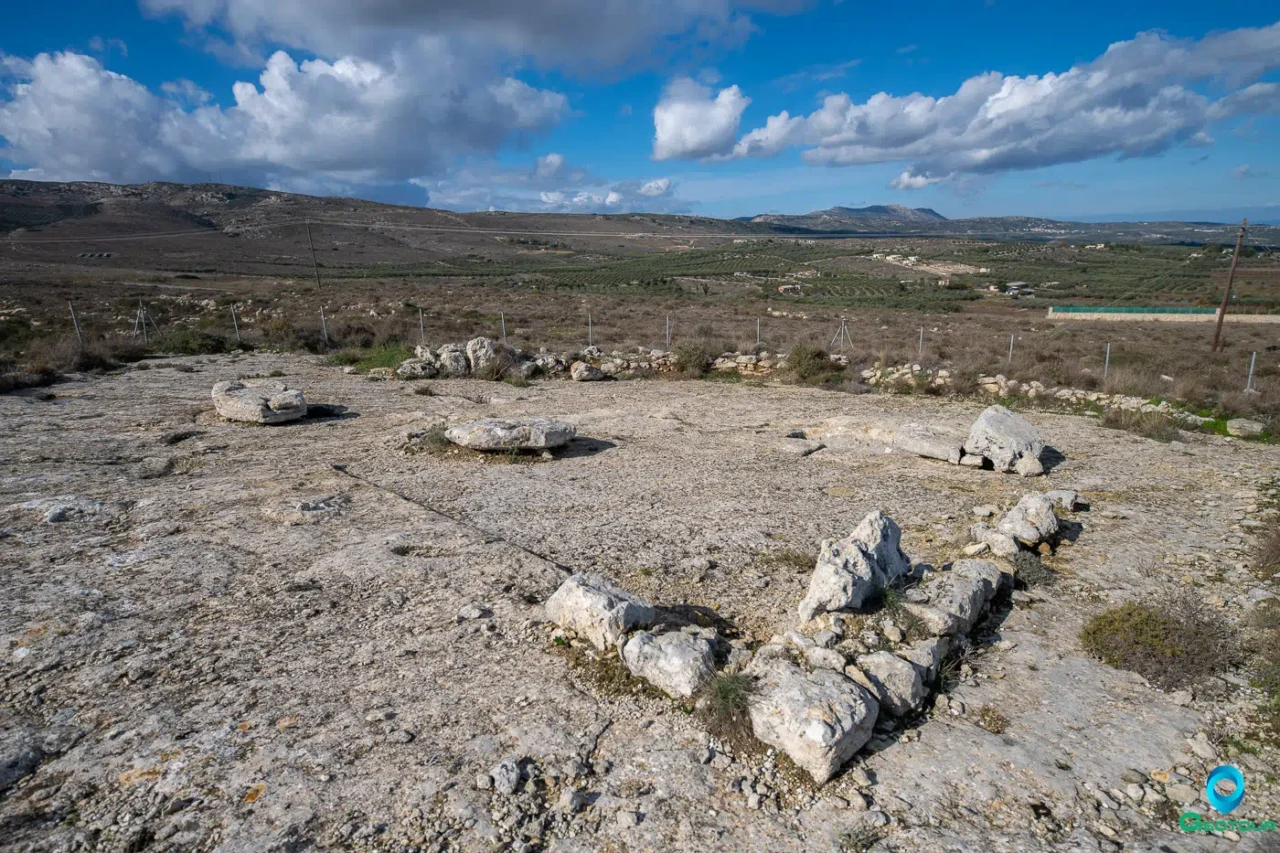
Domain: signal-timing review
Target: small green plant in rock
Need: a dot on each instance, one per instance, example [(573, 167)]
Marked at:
[(725, 714)]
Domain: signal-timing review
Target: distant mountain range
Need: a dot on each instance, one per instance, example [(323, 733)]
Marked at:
[(893, 219), (878, 216), (35, 211)]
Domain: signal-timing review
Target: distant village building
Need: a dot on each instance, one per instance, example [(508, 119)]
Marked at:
[(877, 256), (1096, 246), (789, 289), (809, 273), (944, 282)]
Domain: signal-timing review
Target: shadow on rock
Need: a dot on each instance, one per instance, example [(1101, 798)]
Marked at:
[(328, 412), (1051, 458), (580, 447)]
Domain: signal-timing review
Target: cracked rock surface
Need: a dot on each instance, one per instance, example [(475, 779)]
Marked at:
[(244, 647)]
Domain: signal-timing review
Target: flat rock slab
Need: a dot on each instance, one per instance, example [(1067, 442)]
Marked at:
[(258, 402), (515, 434), (929, 442)]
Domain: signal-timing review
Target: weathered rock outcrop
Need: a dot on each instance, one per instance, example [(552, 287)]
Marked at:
[(676, 662), (953, 603), (258, 402), (512, 434), (597, 610), (819, 719), (851, 570), (1030, 522), (482, 356), (453, 360), (417, 368), (896, 682), (928, 441), (1005, 439)]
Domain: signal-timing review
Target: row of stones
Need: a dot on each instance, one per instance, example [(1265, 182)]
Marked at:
[(808, 700)]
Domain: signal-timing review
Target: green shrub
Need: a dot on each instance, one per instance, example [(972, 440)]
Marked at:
[(694, 358), (1170, 641), (808, 362)]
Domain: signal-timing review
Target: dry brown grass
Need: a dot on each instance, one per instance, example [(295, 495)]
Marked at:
[(1171, 640), (286, 315)]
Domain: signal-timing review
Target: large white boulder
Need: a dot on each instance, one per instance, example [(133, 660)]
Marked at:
[(258, 402), (819, 719), (852, 570), (1030, 522), (512, 434), (453, 360), (482, 356), (929, 442), (597, 610), (1003, 438), (580, 371), (677, 662)]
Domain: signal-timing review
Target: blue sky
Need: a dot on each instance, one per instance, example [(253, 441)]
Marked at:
[(715, 107)]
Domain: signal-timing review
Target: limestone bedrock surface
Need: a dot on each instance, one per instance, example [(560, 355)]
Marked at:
[(255, 650)]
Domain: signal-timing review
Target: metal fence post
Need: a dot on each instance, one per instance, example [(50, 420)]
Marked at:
[(502, 315), (1011, 348), (422, 330), (1252, 361), (324, 326), (236, 323), (589, 340), (76, 322), (920, 349), (1106, 365)]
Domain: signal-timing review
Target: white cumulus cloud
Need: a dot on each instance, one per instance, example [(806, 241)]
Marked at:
[(690, 123), (351, 120), (1139, 98)]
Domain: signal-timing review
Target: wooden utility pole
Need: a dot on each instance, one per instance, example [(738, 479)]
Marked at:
[(314, 266), (1231, 277)]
